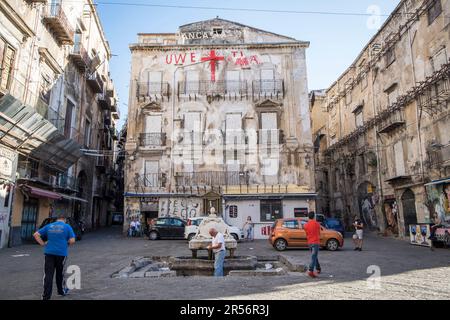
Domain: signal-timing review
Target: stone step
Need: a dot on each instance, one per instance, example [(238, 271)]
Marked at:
[(160, 274), (257, 273)]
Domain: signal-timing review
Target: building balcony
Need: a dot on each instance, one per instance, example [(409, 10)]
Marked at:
[(105, 102), (153, 90), (66, 182), (115, 114), (231, 89), (56, 20), (392, 122), (440, 156), (80, 57), (95, 82), (268, 89), (210, 179), (153, 140), (271, 137), (153, 181)]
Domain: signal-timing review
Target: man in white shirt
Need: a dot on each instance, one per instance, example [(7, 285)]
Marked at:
[(132, 230), (218, 247)]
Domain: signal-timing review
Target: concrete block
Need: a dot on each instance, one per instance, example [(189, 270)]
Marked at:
[(258, 273)]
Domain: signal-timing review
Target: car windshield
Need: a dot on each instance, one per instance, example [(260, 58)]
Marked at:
[(197, 222)]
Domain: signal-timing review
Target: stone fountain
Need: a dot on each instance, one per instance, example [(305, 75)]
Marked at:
[(244, 266), (203, 239)]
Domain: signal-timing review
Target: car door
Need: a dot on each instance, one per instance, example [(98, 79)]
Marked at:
[(178, 229), (163, 227), (294, 232)]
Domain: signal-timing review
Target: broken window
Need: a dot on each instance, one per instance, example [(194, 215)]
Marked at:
[(7, 55), (434, 10), (390, 56), (439, 59)]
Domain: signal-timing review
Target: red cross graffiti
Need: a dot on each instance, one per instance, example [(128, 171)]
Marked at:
[(213, 59)]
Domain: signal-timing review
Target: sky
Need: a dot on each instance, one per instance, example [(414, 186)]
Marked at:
[(336, 40)]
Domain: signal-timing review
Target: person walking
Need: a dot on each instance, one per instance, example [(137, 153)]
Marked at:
[(248, 228), (312, 229), (59, 236), (218, 247), (358, 237)]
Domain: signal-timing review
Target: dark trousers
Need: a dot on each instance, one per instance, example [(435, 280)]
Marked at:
[(52, 264)]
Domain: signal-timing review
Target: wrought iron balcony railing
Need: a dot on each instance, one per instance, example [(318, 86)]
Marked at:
[(95, 81), (56, 20), (268, 89), (153, 139), (152, 180), (211, 178), (153, 89), (80, 57), (213, 88)]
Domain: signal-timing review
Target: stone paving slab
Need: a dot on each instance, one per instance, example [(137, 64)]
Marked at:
[(407, 272)]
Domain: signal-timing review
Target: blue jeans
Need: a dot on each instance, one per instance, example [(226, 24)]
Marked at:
[(218, 264), (250, 233), (315, 265)]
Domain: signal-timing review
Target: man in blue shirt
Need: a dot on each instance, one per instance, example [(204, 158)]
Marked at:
[(59, 236)]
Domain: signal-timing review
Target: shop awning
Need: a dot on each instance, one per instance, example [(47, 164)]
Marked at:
[(438, 182), (26, 131), (37, 192), (66, 197)]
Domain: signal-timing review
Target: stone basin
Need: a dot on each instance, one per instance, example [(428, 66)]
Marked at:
[(187, 266)]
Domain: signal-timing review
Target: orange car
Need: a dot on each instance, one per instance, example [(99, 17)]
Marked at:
[(289, 233)]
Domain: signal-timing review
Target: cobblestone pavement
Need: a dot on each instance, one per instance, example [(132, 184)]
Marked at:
[(407, 272)]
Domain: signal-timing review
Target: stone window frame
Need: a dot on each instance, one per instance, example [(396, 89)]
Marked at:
[(434, 10)]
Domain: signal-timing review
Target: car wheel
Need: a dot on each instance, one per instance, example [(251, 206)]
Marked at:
[(280, 245), (190, 237), (332, 245), (153, 236), (235, 236)]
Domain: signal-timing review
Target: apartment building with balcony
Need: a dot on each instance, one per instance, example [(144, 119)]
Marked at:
[(58, 109), (383, 148), (219, 117)]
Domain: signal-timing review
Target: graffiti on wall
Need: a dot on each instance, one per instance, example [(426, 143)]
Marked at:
[(180, 207), (368, 212), (133, 214), (439, 203), (391, 215)]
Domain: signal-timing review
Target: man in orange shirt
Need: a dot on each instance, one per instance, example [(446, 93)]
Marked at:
[(312, 229)]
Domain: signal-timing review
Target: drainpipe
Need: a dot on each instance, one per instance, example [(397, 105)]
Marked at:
[(32, 48), (418, 112)]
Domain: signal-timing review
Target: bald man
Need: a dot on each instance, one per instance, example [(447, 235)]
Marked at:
[(218, 246)]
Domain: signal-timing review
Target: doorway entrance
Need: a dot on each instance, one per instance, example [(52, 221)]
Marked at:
[(29, 219), (409, 210)]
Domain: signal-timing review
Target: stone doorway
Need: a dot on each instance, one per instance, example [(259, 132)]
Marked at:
[(409, 210)]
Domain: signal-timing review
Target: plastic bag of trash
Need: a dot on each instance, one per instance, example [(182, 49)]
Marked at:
[(269, 266)]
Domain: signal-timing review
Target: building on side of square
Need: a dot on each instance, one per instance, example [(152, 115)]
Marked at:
[(385, 144), (219, 117)]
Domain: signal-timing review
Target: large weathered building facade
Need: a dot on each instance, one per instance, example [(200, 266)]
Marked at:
[(219, 117), (58, 109), (386, 140)]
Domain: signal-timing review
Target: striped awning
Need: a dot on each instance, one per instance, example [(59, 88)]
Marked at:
[(24, 130)]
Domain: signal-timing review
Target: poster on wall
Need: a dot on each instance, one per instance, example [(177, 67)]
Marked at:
[(420, 235), (439, 202)]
